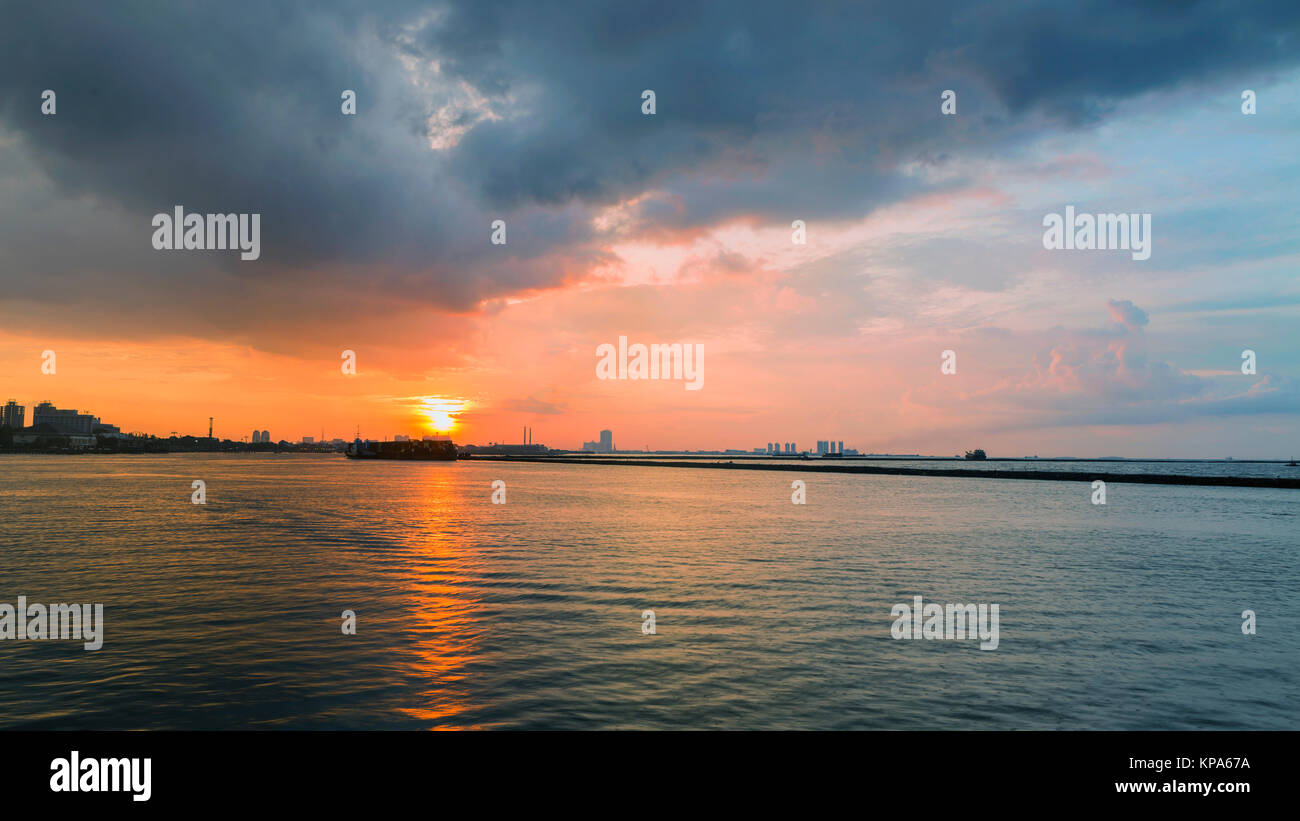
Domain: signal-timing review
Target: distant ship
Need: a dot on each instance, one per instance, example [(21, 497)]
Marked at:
[(442, 450)]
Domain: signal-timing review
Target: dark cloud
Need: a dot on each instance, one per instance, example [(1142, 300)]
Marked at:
[(1076, 59), (826, 98), (766, 108)]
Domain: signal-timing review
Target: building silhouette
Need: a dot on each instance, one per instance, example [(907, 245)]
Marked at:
[(603, 445), (12, 414), (63, 420)]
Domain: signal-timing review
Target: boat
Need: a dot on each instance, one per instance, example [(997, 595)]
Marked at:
[(441, 450)]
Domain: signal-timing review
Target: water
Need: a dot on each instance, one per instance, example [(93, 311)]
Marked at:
[(527, 615)]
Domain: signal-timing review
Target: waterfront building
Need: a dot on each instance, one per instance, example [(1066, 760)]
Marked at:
[(12, 414), (63, 420)]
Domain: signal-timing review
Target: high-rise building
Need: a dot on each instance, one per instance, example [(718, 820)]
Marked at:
[(266, 436), (839, 446), (63, 420), (12, 414), (605, 444), (257, 436)]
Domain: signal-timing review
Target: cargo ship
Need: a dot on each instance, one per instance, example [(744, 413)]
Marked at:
[(442, 450)]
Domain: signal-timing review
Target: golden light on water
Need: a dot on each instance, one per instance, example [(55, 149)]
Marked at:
[(441, 412)]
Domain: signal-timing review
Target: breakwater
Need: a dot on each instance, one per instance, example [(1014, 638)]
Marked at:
[(962, 473)]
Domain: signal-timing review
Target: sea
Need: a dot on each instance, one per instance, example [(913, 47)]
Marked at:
[(536, 596)]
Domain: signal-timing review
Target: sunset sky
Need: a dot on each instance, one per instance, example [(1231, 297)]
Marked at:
[(924, 231)]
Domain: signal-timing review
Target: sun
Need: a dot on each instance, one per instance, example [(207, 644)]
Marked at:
[(441, 412)]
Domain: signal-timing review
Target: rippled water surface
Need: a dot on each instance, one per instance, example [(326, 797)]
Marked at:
[(528, 614)]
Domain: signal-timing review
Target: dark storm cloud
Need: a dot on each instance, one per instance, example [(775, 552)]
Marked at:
[(219, 107), (763, 108), (1075, 60), (833, 96)]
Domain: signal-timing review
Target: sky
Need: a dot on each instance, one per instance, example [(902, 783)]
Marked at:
[(923, 231)]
